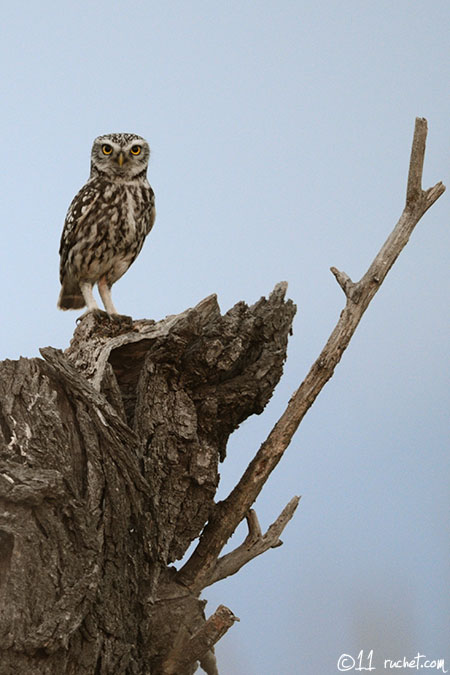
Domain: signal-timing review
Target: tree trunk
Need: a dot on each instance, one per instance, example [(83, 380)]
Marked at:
[(109, 468)]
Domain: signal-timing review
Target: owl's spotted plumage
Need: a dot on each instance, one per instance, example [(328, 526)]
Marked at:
[(107, 221)]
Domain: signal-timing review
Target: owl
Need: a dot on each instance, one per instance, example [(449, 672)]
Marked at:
[(107, 222)]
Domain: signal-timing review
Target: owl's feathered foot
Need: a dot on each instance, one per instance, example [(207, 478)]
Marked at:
[(96, 312), (105, 294), (102, 317)]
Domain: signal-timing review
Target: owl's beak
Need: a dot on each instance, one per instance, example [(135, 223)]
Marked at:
[(120, 159)]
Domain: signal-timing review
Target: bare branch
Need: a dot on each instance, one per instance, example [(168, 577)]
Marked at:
[(254, 528), (344, 281), (255, 543), (200, 644), (414, 192), (226, 516), (414, 188)]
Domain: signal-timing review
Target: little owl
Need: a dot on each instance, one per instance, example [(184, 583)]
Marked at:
[(107, 221)]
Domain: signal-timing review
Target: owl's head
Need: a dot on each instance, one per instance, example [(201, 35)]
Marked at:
[(120, 156)]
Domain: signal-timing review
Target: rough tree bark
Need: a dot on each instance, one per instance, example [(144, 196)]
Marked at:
[(109, 468)]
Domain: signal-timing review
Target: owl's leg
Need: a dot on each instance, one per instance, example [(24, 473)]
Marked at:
[(86, 289), (105, 293)]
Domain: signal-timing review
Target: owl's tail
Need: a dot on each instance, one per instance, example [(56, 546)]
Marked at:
[(70, 296)]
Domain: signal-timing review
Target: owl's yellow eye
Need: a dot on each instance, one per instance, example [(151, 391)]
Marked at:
[(106, 149), (135, 149)]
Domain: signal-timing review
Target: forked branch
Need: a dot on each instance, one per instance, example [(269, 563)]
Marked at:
[(255, 542), (201, 568)]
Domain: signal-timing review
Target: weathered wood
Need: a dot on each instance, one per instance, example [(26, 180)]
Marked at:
[(254, 544), (108, 470), (199, 645)]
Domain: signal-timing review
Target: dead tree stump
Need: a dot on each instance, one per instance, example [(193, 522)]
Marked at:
[(109, 466)]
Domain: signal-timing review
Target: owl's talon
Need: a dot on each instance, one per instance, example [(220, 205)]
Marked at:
[(122, 320), (100, 313), (97, 312), (120, 317)]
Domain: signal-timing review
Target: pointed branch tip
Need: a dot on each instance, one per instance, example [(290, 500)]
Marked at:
[(344, 281), (414, 187), (254, 528), (280, 289)]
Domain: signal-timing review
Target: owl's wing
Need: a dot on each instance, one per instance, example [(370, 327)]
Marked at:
[(146, 218), (149, 209), (81, 205)]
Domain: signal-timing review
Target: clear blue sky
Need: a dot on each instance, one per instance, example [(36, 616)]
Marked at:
[(280, 135)]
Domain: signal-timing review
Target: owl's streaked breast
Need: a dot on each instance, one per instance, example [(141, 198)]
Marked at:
[(116, 224)]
